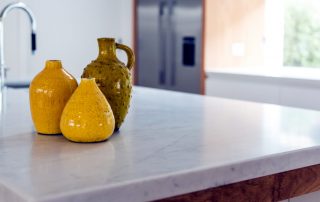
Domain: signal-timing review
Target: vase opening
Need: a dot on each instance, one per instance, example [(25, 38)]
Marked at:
[(106, 39), (54, 60)]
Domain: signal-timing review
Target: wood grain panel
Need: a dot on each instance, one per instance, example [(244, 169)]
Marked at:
[(228, 22), (264, 189), (297, 182), (245, 191)]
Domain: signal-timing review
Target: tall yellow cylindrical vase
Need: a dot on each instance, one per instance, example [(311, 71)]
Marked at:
[(49, 92)]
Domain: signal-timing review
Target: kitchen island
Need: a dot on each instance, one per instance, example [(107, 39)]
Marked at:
[(171, 144)]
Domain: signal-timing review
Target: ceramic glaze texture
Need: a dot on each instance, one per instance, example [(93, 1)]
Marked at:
[(49, 92), (87, 116), (113, 77)]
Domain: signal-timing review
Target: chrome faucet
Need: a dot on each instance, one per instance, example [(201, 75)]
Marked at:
[(3, 15)]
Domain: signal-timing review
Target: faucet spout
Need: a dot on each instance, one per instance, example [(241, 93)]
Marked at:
[(3, 15)]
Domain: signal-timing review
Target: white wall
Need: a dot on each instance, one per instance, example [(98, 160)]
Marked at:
[(295, 92), (273, 33), (12, 37), (67, 30)]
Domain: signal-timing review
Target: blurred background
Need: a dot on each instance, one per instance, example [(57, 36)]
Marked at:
[(66, 30), (258, 50)]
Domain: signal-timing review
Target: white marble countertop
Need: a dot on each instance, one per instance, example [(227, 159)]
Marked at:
[(171, 143)]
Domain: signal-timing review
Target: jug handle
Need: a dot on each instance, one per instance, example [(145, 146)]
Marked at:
[(129, 53)]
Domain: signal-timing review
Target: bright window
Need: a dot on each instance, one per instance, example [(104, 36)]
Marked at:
[(301, 33), (262, 35)]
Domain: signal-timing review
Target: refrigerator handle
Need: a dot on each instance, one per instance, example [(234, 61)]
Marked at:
[(172, 43), (162, 43), (162, 6), (171, 7)]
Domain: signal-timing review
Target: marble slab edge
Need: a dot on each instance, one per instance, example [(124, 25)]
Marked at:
[(163, 186), (9, 192)]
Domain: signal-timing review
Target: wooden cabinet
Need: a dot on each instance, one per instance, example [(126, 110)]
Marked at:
[(277, 187)]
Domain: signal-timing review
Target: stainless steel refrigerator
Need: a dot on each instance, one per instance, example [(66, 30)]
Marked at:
[(169, 44)]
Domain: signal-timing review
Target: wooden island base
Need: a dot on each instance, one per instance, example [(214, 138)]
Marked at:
[(275, 187)]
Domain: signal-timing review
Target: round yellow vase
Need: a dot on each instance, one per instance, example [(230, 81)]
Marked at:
[(87, 116), (49, 92)]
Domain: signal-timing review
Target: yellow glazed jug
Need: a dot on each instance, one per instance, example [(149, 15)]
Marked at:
[(87, 116), (112, 77), (48, 93)]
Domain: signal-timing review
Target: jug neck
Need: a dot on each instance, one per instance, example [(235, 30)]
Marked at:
[(107, 48)]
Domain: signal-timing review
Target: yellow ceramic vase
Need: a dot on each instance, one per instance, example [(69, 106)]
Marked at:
[(112, 76), (49, 92), (87, 116)]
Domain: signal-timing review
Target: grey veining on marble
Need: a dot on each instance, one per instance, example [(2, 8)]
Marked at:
[(170, 144)]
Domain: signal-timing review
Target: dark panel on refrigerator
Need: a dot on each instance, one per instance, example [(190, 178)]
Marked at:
[(188, 55)]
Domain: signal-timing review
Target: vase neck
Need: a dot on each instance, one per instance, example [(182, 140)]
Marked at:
[(107, 48), (53, 64), (88, 82)]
